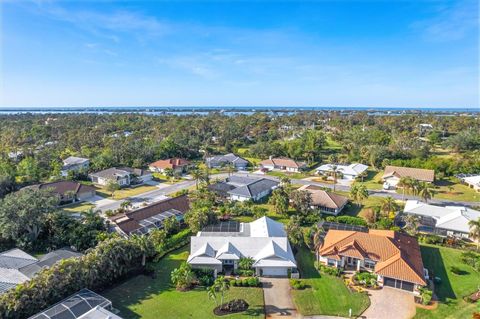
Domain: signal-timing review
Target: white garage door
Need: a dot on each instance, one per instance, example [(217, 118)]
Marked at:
[(277, 272)]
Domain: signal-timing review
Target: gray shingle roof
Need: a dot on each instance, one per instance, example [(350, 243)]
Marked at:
[(253, 187), (227, 158)]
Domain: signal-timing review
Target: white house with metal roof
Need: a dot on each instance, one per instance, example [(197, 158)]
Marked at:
[(350, 172), (442, 220), (221, 246)]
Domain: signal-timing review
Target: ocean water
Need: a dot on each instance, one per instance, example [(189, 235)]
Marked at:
[(232, 110)]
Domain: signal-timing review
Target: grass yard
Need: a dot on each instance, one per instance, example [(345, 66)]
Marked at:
[(126, 192), (289, 175), (354, 210), (78, 207), (449, 189), (453, 287), (144, 297), (371, 181), (325, 295)]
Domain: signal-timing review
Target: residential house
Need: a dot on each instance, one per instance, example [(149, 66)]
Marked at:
[(393, 174), (473, 181), (394, 257), (350, 172), (243, 188), (325, 202), (442, 220), (84, 304), (282, 164), (225, 160), (145, 219), (124, 176), (177, 165), (220, 247), (16, 266), (74, 163), (67, 191)]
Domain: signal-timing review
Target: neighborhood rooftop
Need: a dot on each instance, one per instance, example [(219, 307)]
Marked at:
[(426, 175), (323, 198), (396, 255), (454, 218), (151, 216), (85, 304)]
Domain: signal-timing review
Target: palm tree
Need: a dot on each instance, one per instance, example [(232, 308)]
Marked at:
[(426, 191), (389, 205), (358, 193), (126, 204), (405, 183), (318, 236), (411, 224), (197, 175), (475, 231), (246, 263), (335, 172), (212, 293), (222, 286), (145, 245)]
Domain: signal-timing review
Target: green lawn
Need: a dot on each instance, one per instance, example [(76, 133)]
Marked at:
[(144, 297), (77, 207), (354, 210), (289, 175), (459, 192), (371, 181), (453, 287), (325, 295), (126, 192)]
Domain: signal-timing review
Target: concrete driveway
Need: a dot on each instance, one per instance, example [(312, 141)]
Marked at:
[(390, 303), (278, 301)]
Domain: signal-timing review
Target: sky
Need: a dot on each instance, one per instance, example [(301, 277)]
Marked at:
[(393, 53)]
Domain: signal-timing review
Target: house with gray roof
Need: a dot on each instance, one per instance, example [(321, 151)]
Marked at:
[(225, 160), (74, 163), (123, 176), (16, 266), (243, 188), (442, 220), (220, 247)]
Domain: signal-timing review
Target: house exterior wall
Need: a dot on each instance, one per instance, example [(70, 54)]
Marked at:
[(85, 195), (218, 268)]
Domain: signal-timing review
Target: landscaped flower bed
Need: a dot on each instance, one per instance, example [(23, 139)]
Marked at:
[(233, 306)]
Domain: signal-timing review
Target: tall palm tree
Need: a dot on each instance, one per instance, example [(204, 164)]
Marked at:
[(335, 172), (358, 193), (405, 183), (318, 240), (475, 231), (197, 175), (426, 191)]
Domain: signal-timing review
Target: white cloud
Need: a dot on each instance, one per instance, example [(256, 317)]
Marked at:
[(453, 22)]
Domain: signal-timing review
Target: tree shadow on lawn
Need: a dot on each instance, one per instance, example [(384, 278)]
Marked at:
[(433, 261), (136, 289)]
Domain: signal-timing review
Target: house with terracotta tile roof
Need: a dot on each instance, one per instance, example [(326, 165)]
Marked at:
[(325, 202), (178, 165), (394, 257), (282, 164), (393, 174)]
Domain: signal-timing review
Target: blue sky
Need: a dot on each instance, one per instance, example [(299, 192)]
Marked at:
[(315, 53)]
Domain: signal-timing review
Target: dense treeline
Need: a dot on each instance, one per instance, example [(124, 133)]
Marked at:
[(136, 140)]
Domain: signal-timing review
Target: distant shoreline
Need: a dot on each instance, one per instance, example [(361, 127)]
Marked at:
[(230, 110)]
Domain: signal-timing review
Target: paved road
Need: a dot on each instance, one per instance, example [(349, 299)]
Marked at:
[(151, 196), (159, 194), (381, 193)]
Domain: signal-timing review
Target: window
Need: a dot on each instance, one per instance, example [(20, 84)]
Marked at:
[(369, 264)]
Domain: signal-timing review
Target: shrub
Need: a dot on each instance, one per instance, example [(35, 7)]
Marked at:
[(238, 283), (426, 295), (245, 282), (246, 273), (297, 284), (253, 282), (233, 282), (365, 279), (332, 271), (351, 220), (431, 239)]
